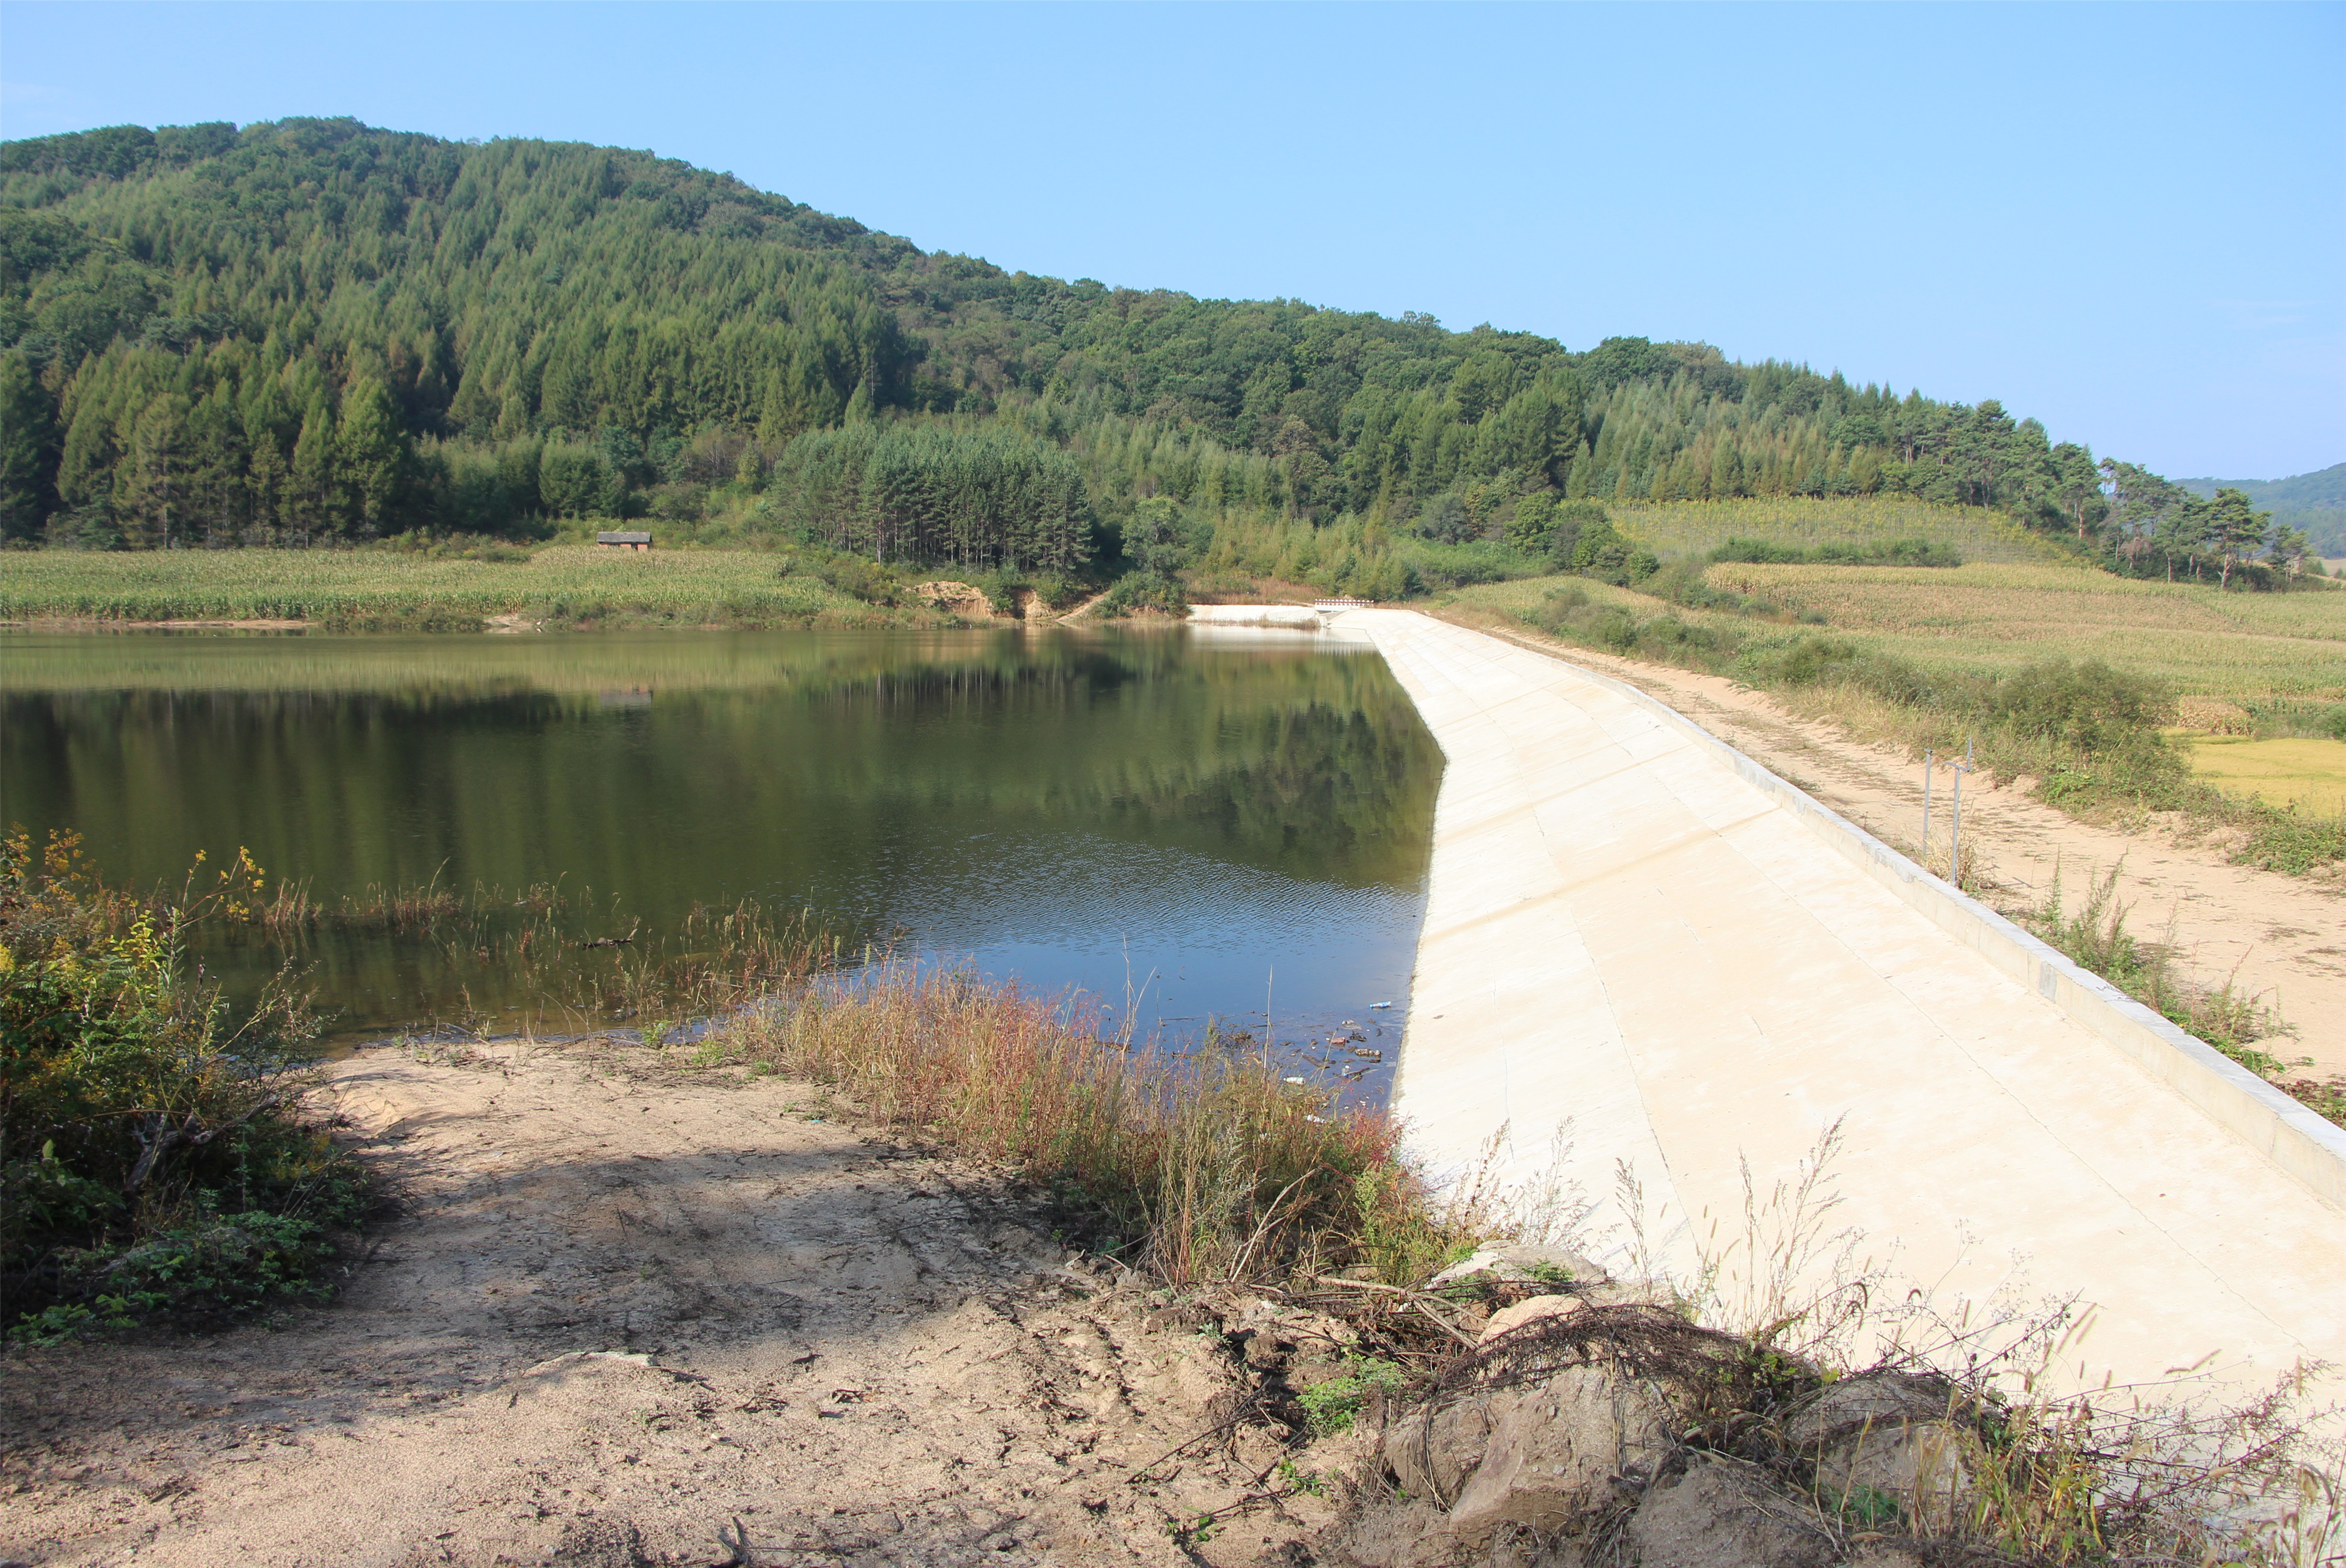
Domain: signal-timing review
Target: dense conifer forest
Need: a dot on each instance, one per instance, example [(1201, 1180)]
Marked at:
[(316, 333)]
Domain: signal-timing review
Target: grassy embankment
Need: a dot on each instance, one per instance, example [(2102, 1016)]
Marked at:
[(178, 1180), (555, 586)]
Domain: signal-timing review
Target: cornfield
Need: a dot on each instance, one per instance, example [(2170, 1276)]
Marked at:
[(1678, 528), (1998, 618), (560, 583)]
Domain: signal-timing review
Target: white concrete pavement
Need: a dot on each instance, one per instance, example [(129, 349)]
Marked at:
[(1632, 930)]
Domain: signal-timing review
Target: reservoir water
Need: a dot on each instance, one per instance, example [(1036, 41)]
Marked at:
[(1203, 823)]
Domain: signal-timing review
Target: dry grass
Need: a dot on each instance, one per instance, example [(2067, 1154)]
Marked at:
[(1195, 1169), (2051, 1473)]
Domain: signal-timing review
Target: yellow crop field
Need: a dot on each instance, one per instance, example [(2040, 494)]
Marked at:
[(1992, 617), (2305, 773), (1678, 528), (562, 583)]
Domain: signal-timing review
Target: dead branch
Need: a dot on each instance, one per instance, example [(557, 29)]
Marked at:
[(159, 1138)]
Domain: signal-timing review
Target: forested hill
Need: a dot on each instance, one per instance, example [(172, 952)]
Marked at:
[(315, 330)]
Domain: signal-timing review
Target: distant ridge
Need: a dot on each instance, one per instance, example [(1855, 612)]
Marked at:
[(2314, 501)]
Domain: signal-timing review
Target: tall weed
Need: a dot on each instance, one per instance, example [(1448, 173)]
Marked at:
[(1195, 1169)]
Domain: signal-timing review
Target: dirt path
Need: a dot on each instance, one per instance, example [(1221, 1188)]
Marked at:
[(2281, 939), (624, 1307), (1080, 611)]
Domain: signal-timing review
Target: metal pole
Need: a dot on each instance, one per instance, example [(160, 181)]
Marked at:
[(1955, 848), (1927, 757)]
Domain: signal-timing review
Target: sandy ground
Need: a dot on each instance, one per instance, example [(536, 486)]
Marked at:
[(627, 1310), (2279, 938)]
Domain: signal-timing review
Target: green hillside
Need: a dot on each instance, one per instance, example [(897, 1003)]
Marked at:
[(316, 331)]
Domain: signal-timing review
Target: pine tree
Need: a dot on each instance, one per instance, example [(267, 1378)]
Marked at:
[(370, 456), (314, 509), (156, 478), (2235, 529), (27, 459)]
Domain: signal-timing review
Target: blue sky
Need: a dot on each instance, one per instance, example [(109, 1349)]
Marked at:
[(2128, 222)]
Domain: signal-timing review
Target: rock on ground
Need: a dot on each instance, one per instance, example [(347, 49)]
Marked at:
[(1718, 1514)]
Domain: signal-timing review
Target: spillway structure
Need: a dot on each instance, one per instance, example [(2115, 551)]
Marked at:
[(1645, 957)]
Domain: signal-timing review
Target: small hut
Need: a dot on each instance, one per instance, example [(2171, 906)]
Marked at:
[(624, 541)]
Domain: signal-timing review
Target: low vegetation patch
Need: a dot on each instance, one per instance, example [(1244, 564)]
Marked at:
[(2296, 771), (1877, 552), (1685, 530), (154, 1160), (2096, 937), (2197, 639)]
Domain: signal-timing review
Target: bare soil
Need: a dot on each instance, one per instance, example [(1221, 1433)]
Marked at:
[(2278, 938), (630, 1313)]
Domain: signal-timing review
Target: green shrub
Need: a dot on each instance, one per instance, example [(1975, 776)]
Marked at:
[(1568, 612), (1145, 591), (1433, 565), (2088, 705), (1879, 552), (152, 1117), (1599, 549), (209, 1266), (1329, 1407), (1803, 661), (860, 579)]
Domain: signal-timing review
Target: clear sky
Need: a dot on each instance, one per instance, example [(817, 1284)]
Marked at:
[(2128, 222)]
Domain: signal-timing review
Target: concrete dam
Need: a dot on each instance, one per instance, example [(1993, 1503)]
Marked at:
[(1643, 953)]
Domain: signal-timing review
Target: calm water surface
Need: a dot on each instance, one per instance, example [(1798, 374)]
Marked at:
[(1189, 818)]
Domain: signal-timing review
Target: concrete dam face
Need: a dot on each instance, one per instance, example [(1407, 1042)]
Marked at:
[(1644, 954)]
